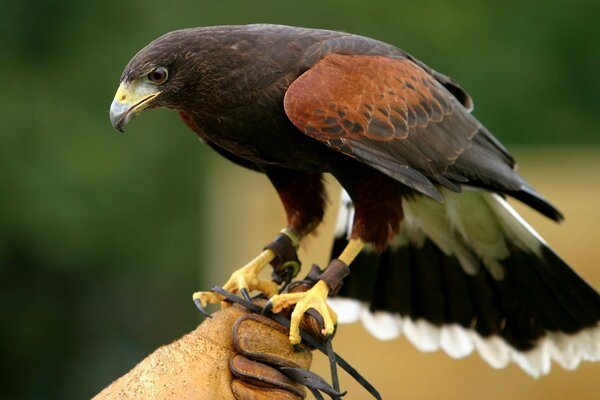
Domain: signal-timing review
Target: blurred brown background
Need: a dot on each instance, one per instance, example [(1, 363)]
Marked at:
[(103, 237)]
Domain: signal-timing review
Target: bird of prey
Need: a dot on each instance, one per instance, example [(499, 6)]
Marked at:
[(451, 264)]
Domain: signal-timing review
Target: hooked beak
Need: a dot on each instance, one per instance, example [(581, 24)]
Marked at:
[(131, 98)]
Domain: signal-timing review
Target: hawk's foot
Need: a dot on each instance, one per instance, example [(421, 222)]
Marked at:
[(313, 298), (245, 278)]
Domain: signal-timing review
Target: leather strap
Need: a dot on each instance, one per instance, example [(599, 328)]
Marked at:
[(334, 275), (286, 264), (262, 375)]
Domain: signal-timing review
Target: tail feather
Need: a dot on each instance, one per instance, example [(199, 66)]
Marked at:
[(535, 310)]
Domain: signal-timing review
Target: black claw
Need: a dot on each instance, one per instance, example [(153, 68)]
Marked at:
[(202, 309), (268, 308), (245, 294)]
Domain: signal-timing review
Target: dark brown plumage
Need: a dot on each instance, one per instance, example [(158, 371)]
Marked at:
[(295, 103), (230, 83)]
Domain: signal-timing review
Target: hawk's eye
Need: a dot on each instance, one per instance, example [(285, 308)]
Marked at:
[(158, 75)]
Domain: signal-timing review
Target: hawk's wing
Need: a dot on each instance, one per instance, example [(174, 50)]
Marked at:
[(396, 117)]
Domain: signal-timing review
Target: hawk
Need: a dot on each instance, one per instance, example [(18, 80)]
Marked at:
[(451, 264)]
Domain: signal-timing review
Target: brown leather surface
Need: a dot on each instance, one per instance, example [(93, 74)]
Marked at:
[(263, 375), (263, 339), (246, 391), (334, 275)]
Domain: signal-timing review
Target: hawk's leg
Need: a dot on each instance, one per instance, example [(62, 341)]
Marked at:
[(303, 197), (378, 210), (316, 296)]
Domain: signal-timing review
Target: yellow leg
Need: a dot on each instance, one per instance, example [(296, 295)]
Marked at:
[(314, 298), (244, 278), (351, 251)]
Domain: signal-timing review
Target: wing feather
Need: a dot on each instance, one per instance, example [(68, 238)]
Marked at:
[(395, 116)]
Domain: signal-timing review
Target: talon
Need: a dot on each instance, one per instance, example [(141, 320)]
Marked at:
[(202, 299), (245, 294), (267, 308), (312, 299), (206, 298), (202, 310)]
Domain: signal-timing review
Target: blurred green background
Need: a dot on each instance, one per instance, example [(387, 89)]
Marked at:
[(101, 234)]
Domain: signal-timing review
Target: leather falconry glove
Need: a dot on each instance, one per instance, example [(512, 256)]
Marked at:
[(234, 355)]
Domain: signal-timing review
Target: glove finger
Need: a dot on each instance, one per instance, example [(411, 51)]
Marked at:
[(262, 375), (263, 339), (245, 391)]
